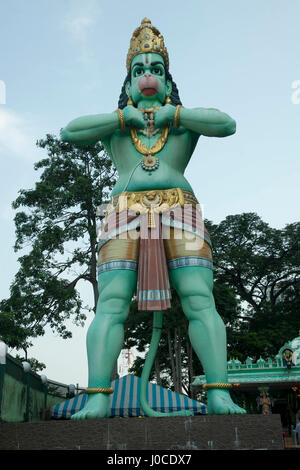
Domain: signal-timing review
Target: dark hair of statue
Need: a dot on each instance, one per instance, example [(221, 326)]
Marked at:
[(174, 96)]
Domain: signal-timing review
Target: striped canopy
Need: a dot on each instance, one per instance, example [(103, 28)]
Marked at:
[(125, 400)]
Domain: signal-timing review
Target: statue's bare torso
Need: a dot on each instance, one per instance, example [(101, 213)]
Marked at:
[(173, 160)]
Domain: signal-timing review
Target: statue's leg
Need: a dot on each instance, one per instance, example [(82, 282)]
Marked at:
[(105, 337), (206, 331)]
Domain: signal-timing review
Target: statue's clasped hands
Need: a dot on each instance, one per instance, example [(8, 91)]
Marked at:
[(133, 117), (162, 117)]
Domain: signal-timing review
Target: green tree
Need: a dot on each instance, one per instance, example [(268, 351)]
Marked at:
[(36, 366), (262, 266), (56, 229), (12, 333)]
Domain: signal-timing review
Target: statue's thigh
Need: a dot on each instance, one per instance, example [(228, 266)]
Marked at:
[(194, 286), (192, 280), (116, 289)]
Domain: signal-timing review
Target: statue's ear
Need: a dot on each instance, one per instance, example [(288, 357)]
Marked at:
[(168, 87), (127, 88)]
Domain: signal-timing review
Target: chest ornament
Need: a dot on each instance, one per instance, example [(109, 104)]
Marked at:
[(150, 162)]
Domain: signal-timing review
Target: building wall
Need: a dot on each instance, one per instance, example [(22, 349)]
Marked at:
[(24, 396)]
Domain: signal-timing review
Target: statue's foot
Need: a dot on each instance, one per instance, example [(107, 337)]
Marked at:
[(219, 402), (98, 406)]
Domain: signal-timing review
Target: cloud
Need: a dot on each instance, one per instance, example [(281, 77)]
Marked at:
[(17, 136), (79, 27), (79, 23)]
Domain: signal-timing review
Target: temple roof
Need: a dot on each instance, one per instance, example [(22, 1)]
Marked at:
[(282, 371)]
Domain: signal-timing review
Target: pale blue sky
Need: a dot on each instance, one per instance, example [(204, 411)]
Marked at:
[(60, 59)]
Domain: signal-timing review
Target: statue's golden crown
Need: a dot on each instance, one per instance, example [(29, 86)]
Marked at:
[(145, 39)]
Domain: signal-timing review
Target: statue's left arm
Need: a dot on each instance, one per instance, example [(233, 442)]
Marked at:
[(209, 122), (203, 121)]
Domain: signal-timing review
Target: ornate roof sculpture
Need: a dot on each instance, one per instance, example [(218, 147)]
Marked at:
[(282, 371)]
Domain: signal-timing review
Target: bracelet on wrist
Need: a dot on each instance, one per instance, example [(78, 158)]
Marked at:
[(121, 119), (176, 116)]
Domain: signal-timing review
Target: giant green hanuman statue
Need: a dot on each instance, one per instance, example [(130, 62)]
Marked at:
[(154, 234)]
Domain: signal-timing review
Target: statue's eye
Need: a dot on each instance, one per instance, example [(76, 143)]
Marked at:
[(157, 71), (138, 72)]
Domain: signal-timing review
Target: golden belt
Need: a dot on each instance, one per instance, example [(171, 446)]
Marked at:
[(150, 202)]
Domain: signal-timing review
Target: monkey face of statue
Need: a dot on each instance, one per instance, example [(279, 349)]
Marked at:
[(149, 85)]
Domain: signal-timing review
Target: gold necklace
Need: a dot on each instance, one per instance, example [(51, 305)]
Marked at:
[(148, 113), (150, 162)]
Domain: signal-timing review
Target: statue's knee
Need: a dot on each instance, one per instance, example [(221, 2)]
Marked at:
[(115, 304), (196, 304), (195, 293)]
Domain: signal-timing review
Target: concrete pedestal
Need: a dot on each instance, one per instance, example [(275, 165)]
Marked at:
[(237, 432)]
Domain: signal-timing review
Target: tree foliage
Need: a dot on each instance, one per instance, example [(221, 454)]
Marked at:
[(11, 331), (56, 225), (262, 266), (36, 366)]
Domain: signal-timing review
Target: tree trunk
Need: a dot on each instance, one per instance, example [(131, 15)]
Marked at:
[(172, 362), (91, 219), (189, 350), (115, 374), (25, 354), (178, 359)]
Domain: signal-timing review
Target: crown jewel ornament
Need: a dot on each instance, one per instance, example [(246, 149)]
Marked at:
[(146, 39)]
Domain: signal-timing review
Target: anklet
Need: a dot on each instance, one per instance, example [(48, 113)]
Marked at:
[(99, 390), (219, 385)]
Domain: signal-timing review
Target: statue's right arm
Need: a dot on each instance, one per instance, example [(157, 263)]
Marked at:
[(90, 129)]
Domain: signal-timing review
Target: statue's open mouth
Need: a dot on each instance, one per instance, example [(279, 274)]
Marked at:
[(148, 85), (149, 91)]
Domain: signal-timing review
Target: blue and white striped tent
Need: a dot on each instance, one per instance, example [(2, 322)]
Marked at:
[(125, 400)]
